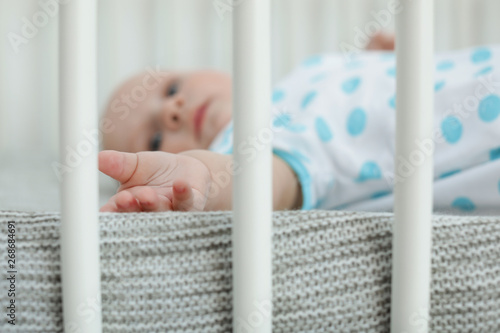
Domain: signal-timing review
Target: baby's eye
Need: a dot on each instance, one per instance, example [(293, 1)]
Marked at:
[(172, 89), (155, 142)]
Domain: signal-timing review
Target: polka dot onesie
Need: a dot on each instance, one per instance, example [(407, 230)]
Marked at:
[(333, 122)]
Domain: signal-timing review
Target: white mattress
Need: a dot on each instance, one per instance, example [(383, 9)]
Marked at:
[(28, 183)]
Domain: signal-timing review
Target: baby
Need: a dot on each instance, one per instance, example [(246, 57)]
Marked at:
[(332, 128), (179, 119)]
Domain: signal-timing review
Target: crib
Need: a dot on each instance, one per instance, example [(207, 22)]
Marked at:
[(105, 254)]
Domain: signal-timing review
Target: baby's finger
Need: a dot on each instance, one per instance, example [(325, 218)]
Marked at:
[(151, 201), (108, 207), (183, 196), (126, 202)]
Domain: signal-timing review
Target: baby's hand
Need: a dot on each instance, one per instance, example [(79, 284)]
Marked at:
[(155, 181)]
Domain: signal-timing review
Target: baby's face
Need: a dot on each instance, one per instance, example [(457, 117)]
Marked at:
[(168, 111)]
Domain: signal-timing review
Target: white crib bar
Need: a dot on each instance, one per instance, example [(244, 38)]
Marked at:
[(78, 151), (252, 199), (413, 200)]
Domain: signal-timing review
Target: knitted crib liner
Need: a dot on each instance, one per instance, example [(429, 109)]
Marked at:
[(171, 272)]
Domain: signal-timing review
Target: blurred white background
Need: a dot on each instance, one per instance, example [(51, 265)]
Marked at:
[(182, 34)]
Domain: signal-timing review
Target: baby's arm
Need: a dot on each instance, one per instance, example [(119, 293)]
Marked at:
[(159, 181), (286, 189)]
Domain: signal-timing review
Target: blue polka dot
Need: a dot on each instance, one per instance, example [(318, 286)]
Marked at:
[(392, 102), (278, 96), (484, 71), (369, 171), (481, 55), (449, 174), (391, 72), (495, 154), (439, 85), (313, 61), (350, 86), (452, 129), (319, 77), (380, 194), (445, 65), (323, 130), (489, 109), (464, 204), (356, 122), (282, 120), (310, 96)]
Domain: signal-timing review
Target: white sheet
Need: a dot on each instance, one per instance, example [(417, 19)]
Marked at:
[(28, 183)]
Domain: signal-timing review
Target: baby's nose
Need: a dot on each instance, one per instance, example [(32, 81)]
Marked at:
[(171, 115)]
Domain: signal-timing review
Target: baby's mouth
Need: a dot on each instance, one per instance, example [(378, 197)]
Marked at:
[(198, 119)]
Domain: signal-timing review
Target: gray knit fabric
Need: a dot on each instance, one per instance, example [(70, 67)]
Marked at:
[(171, 272)]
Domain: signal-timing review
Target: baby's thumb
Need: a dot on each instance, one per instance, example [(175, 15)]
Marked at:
[(118, 165)]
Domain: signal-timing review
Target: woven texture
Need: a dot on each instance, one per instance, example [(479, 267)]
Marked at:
[(171, 272)]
